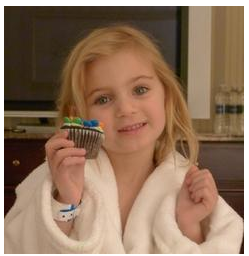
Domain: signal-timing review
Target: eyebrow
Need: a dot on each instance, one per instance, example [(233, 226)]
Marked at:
[(134, 79), (130, 81)]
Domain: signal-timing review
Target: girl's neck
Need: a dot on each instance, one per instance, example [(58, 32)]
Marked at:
[(132, 167)]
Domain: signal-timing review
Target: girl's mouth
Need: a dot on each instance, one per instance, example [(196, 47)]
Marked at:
[(130, 129)]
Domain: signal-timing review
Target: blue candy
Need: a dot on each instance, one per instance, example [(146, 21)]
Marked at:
[(94, 122), (87, 123), (90, 123)]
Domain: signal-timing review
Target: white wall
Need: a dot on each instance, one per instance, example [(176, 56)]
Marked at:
[(199, 61)]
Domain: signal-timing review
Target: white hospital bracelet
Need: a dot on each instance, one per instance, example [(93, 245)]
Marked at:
[(64, 212)]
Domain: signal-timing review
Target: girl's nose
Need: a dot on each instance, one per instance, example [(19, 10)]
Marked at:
[(125, 107)]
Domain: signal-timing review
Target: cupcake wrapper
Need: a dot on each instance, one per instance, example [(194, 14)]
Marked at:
[(90, 140)]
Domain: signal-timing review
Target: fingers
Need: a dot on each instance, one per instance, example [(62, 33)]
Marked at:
[(201, 186), (58, 144), (68, 156), (200, 176), (60, 150), (195, 174), (192, 171), (73, 160), (202, 179), (199, 194), (58, 141), (61, 134)]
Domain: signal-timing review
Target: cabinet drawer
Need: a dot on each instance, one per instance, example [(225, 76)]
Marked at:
[(21, 157), (224, 159)]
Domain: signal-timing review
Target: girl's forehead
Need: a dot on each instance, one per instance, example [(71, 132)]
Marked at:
[(118, 71), (123, 61)]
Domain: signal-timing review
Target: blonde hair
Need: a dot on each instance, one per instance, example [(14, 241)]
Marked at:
[(106, 41)]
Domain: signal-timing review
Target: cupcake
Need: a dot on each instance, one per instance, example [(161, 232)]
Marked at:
[(87, 134)]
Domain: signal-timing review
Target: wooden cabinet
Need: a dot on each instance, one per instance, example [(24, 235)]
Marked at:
[(226, 162), (21, 156)]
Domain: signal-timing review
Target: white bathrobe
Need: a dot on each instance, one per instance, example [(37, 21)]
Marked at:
[(151, 226)]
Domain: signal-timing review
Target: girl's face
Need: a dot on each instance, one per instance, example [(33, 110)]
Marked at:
[(124, 93)]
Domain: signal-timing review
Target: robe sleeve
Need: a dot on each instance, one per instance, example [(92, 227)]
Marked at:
[(30, 228), (224, 231)]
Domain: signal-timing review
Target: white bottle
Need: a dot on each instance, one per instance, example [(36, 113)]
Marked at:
[(221, 119), (240, 127), (233, 112)]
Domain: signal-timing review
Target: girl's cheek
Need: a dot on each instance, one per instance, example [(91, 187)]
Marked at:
[(93, 115)]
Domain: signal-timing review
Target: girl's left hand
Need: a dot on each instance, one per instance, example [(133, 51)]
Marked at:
[(197, 197)]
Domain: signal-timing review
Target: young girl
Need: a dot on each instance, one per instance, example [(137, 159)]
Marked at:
[(140, 195)]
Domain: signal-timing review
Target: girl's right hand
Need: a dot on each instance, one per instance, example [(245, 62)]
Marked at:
[(66, 164)]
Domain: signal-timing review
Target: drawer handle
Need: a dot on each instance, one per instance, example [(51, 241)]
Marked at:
[(16, 162)]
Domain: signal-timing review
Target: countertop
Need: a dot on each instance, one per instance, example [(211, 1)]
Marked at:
[(202, 137)]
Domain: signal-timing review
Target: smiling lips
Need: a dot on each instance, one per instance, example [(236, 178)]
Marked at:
[(132, 128)]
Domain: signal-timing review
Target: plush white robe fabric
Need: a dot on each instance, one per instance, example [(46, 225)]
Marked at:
[(151, 226)]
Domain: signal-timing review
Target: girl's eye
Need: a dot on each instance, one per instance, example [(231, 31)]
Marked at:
[(102, 100), (139, 90)]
